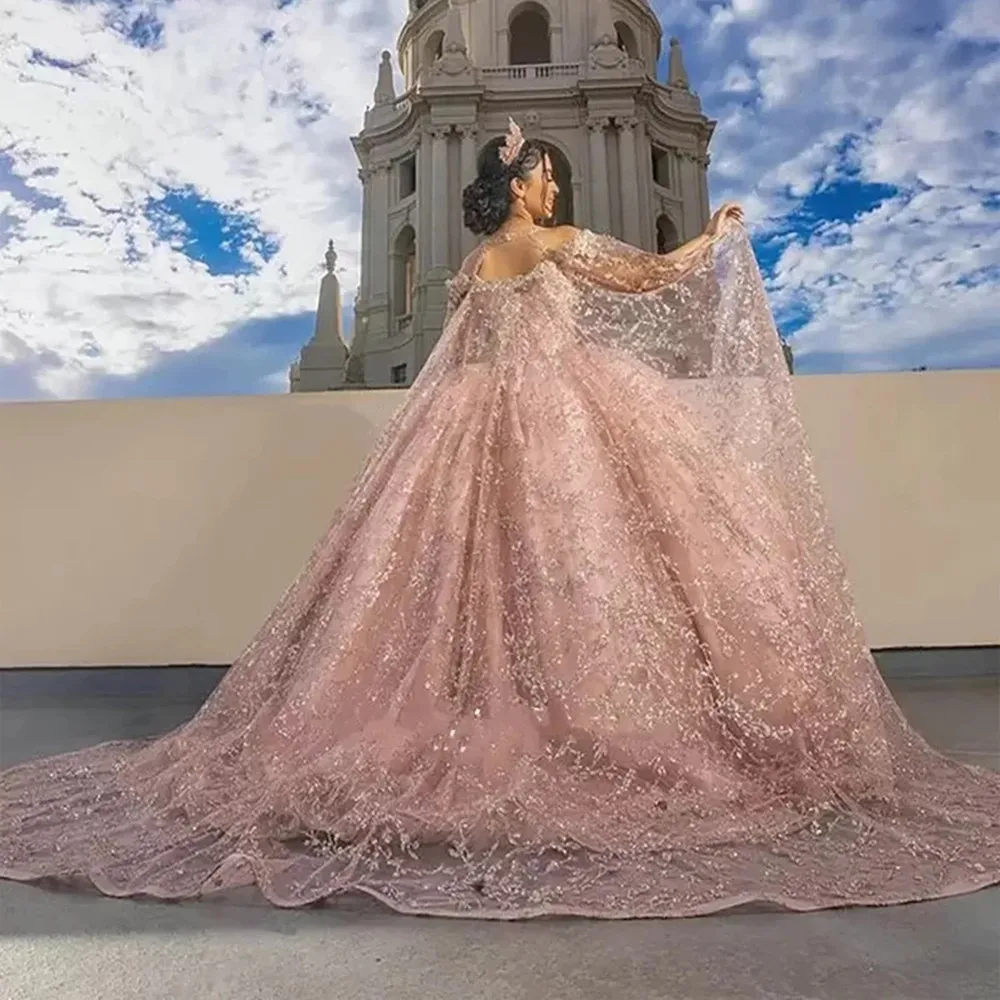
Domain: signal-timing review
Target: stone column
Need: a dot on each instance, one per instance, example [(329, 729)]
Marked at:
[(690, 191), (365, 176), (600, 209), (647, 212), (469, 134), (377, 223), (425, 207), (558, 50), (629, 167), (706, 208), (579, 200), (380, 225), (439, 196)]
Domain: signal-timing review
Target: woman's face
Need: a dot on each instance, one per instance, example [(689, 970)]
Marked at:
[(539, 191)]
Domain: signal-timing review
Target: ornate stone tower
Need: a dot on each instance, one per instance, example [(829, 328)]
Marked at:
[(323, 360), (630, 151)]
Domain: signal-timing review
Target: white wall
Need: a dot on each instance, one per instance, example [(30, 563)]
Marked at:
[(162, 531)]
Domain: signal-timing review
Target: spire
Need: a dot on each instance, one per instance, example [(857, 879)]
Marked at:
[(604, 27), (329, 323), (323, 360), (454, 59), (385, 89), (385, 109), (677, 74), (454, 35), (605, 52)]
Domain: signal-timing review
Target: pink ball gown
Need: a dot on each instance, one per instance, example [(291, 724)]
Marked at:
[(579, 642)]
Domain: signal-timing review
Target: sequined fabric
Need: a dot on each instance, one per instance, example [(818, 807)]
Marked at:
[(580, 642)]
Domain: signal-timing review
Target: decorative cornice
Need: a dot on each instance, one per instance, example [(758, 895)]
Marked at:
[(365, 174), (598, 123)]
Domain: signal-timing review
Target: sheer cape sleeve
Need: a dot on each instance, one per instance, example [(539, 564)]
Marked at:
[(696, 327), (698, 312), (621, 267)]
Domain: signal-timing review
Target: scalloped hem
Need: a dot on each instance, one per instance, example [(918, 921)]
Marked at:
[(743, 903)]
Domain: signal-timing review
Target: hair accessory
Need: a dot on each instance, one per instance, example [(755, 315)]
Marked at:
[(513, 142)]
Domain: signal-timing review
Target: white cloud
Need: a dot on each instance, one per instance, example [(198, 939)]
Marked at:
[(807, 94), (747, 10), (723, 16), (214, 110), (978, 21), (879, 293), (876, 92), (738, 80)]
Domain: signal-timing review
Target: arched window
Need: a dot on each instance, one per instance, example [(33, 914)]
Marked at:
[(667, 238), (404, 279), (626, 39), (530, 37), (661, 167), (433, 48)]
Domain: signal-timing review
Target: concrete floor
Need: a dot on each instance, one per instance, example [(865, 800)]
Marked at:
[(83, 947)]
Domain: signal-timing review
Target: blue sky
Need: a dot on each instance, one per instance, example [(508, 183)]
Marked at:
[(165, 200)]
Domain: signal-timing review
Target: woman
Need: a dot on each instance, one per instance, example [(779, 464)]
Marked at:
[(579, 642)]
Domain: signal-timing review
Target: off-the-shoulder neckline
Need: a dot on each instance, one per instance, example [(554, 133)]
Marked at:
[(546, 256)]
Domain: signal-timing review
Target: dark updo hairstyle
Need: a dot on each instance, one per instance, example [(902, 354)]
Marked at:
[(486, 201)]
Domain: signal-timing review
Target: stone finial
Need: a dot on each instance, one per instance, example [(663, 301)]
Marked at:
[(454, 34), (385, 88), (454, 59), (604, 25), (605, 52), (677, 74), (329, 325), (322, 361)]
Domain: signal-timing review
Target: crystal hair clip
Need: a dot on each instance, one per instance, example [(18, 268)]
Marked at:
[(513, 142)]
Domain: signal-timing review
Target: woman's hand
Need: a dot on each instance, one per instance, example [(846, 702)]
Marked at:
[(729, 210)]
